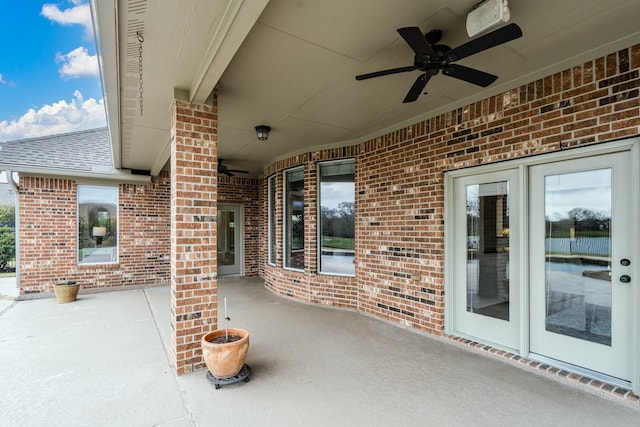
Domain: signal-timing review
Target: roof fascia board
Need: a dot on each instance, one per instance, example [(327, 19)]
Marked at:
[(104, 15), (118, 176)]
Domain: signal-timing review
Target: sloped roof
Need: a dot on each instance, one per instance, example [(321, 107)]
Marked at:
[(87, 151)]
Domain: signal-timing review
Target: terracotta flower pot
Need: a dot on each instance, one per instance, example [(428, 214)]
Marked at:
[(226, 359), (66, 292)]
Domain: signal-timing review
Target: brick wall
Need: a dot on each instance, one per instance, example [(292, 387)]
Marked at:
[(245, 191), (400, 184), (307, 285), (194, 269), (48, 239)]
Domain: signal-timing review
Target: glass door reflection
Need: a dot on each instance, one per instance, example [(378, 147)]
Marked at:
[(488, 249), (229, 245), (578, 255)]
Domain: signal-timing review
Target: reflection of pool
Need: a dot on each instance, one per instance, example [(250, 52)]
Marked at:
[(574, 268), (338, 264)]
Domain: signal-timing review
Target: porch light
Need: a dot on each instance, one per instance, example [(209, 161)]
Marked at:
[(263, 132)]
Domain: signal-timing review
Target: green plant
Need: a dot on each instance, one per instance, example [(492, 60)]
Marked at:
[(7, 246), (8, 216)]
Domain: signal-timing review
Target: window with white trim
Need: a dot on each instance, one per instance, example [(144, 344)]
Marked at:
[(97, 224)]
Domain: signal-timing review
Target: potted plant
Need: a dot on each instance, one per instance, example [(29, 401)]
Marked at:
[(66, 292), (224, 352)]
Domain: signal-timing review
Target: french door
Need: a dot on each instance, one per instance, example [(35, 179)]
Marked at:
[(581, 260), (487, 251), (540, 258), (230, 240)]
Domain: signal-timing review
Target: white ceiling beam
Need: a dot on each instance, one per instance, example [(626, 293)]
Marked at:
[(239, 17)]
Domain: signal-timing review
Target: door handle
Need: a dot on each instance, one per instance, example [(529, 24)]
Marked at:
[(625, 278)]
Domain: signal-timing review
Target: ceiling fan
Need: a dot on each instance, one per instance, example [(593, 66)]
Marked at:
[(225, 170), (431, 58)]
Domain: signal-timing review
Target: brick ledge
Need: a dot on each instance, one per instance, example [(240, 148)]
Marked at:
[(562, 374)]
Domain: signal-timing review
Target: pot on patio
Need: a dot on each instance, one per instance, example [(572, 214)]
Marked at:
[(224, 351), (66, 292)]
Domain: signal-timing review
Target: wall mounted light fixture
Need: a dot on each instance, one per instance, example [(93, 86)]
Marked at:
[(263, 132), (487, 15)]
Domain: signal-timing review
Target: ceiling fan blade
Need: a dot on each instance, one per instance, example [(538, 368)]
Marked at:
[(237, 171), (385, 72), (470, 75), (417, 88), (494, 38), (418, 42)]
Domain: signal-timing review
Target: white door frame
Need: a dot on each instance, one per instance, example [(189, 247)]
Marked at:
[(630, 145)]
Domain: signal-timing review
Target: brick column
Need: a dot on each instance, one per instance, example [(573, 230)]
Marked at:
[(194, 185)]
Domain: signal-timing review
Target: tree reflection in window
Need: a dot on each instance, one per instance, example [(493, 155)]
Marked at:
[(337, 217)]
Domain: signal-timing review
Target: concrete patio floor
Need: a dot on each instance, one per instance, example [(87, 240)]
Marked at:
[(103, 361)]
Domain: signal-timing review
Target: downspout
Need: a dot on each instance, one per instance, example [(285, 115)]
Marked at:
[(14, 186)]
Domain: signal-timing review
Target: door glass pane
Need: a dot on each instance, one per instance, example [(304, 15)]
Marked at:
[(488, 249), (226, 237), (578, 255)]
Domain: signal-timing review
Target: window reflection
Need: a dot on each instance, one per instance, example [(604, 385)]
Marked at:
[(272, 220), (294, 219), (578, 255), (488, 249), (337, 217), (97, 224)]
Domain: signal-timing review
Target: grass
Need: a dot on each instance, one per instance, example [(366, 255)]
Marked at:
[(338, 242), (10, 274)]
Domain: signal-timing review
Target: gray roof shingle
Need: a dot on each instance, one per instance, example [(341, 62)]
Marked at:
[(87, 150)]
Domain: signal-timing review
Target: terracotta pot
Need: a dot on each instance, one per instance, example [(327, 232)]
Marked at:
[(66, 293), (225, 360)]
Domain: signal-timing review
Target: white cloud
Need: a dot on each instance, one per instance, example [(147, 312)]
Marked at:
[(78, 63), (59, 117), (80, 14), (5, 82)]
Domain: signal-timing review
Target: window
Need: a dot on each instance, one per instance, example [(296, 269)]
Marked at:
[(272, 220), (337, 218), (97, 224), (294, 219)]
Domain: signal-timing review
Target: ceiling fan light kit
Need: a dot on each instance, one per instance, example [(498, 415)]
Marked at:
[(431, 58), (487, 15)]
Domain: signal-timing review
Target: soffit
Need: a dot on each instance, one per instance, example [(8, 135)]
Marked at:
[(292, 66)]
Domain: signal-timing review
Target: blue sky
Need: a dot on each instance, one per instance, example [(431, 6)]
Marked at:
[(49, 81)]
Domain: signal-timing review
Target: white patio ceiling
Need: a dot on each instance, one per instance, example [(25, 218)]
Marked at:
[(291, 64)]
